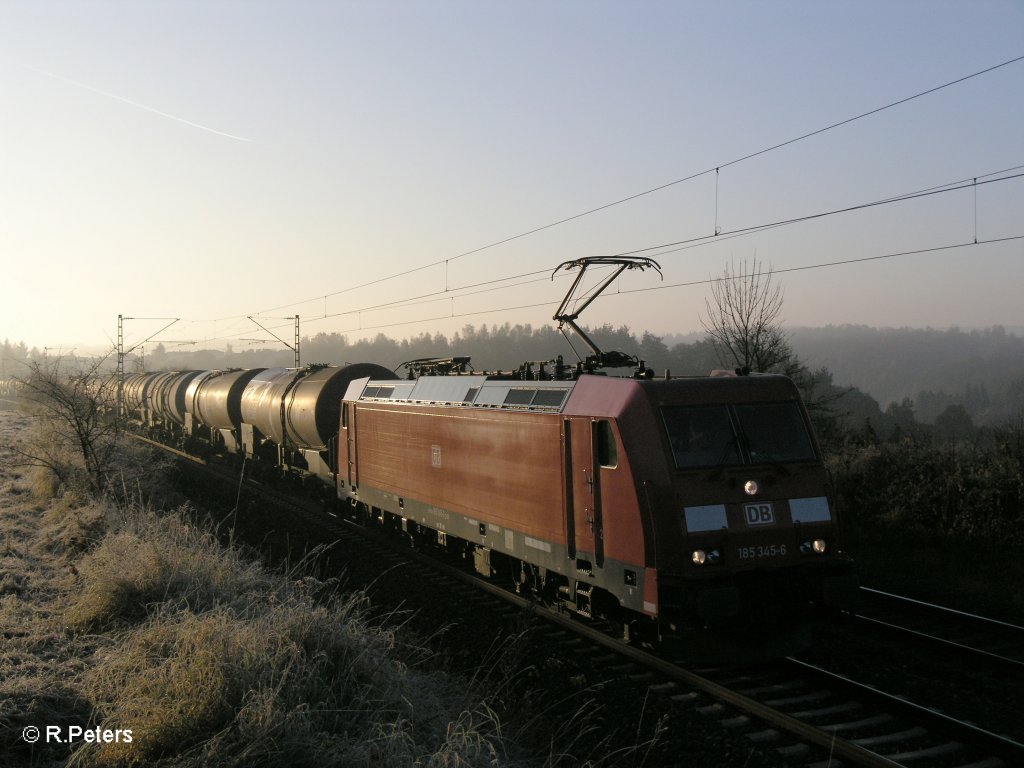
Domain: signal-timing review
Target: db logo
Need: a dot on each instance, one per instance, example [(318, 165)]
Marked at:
[(759, 514)]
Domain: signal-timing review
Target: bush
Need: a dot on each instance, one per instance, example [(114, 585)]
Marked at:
[(965, 492)]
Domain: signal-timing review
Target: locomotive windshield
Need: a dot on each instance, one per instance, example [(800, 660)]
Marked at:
[(734, 435)]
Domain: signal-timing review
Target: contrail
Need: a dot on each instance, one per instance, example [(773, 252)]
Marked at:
[(135, 104)]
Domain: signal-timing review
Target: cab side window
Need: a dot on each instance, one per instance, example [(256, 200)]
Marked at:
[(607, 450)]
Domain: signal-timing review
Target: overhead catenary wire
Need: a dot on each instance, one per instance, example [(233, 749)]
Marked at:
[(701, 242), (837, 263), (693, 283), (971, 184), (675, 246), (714, 169)]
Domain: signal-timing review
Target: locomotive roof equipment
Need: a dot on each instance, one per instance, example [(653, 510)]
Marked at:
[(598, 359)]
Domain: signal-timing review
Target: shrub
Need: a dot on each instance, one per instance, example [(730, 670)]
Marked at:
[(965, 492)]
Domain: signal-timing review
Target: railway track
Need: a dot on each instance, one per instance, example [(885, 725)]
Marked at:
[(815, 717), (803, 713), (981, 639), (820, 719)]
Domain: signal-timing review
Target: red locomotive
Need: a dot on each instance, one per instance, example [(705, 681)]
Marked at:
[(662, 506)]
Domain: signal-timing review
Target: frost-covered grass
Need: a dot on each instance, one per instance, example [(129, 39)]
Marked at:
[(124, 618)]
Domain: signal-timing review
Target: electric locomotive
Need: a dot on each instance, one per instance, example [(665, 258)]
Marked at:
[(665, 507), (694, 508)]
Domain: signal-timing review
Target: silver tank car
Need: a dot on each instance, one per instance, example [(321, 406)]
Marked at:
[(153, 395), (214, 398), (170, 403), (302, 406), (134, 387)]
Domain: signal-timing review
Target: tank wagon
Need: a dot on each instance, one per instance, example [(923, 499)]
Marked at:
[(213, 407), (290, 415), (666, 507), (10, 387), (282, 418), (134, 389)]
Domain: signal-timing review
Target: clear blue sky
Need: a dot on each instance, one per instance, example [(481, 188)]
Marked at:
[(212, 160)]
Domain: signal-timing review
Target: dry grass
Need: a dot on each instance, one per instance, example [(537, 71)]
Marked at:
[(38, 660), (120, 617), (149, 560), (228, 664), (293, 685)]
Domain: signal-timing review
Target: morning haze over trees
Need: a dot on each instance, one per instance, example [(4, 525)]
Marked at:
[(977, 373)]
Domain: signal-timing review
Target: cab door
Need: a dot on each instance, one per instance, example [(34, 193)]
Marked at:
[(583, 491), (349, 430)]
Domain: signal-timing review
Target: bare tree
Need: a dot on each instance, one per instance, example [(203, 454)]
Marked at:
[(743, 319), (74, 407)]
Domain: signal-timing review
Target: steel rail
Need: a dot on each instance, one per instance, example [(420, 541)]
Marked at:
[(1001, 746), (981, 622), (944, 609), (838, 748), (941, 641)]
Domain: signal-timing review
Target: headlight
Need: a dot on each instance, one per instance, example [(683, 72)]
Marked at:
[(700, 557), (817, 547)]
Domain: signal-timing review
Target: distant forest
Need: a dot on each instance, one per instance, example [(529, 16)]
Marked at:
[(885, 376)]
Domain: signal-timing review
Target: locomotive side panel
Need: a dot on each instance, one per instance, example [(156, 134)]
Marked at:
[(498, 468)]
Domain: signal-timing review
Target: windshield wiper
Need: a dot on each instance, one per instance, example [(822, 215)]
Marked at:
[(735, 444), (764, 459)]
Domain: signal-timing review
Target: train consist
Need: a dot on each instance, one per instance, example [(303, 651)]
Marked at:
[(10, 388), (688, 508)]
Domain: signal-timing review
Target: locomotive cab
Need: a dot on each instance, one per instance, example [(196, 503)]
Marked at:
[(746, 528)]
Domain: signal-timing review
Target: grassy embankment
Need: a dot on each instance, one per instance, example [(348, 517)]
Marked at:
[(118, 617)]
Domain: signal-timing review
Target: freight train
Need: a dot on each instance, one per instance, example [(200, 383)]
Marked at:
[(691, 509), (694, 510)]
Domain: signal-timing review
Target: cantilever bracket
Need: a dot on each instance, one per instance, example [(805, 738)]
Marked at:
[(622, 262)]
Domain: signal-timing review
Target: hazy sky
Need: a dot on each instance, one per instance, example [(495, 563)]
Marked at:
[(213, 160)]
